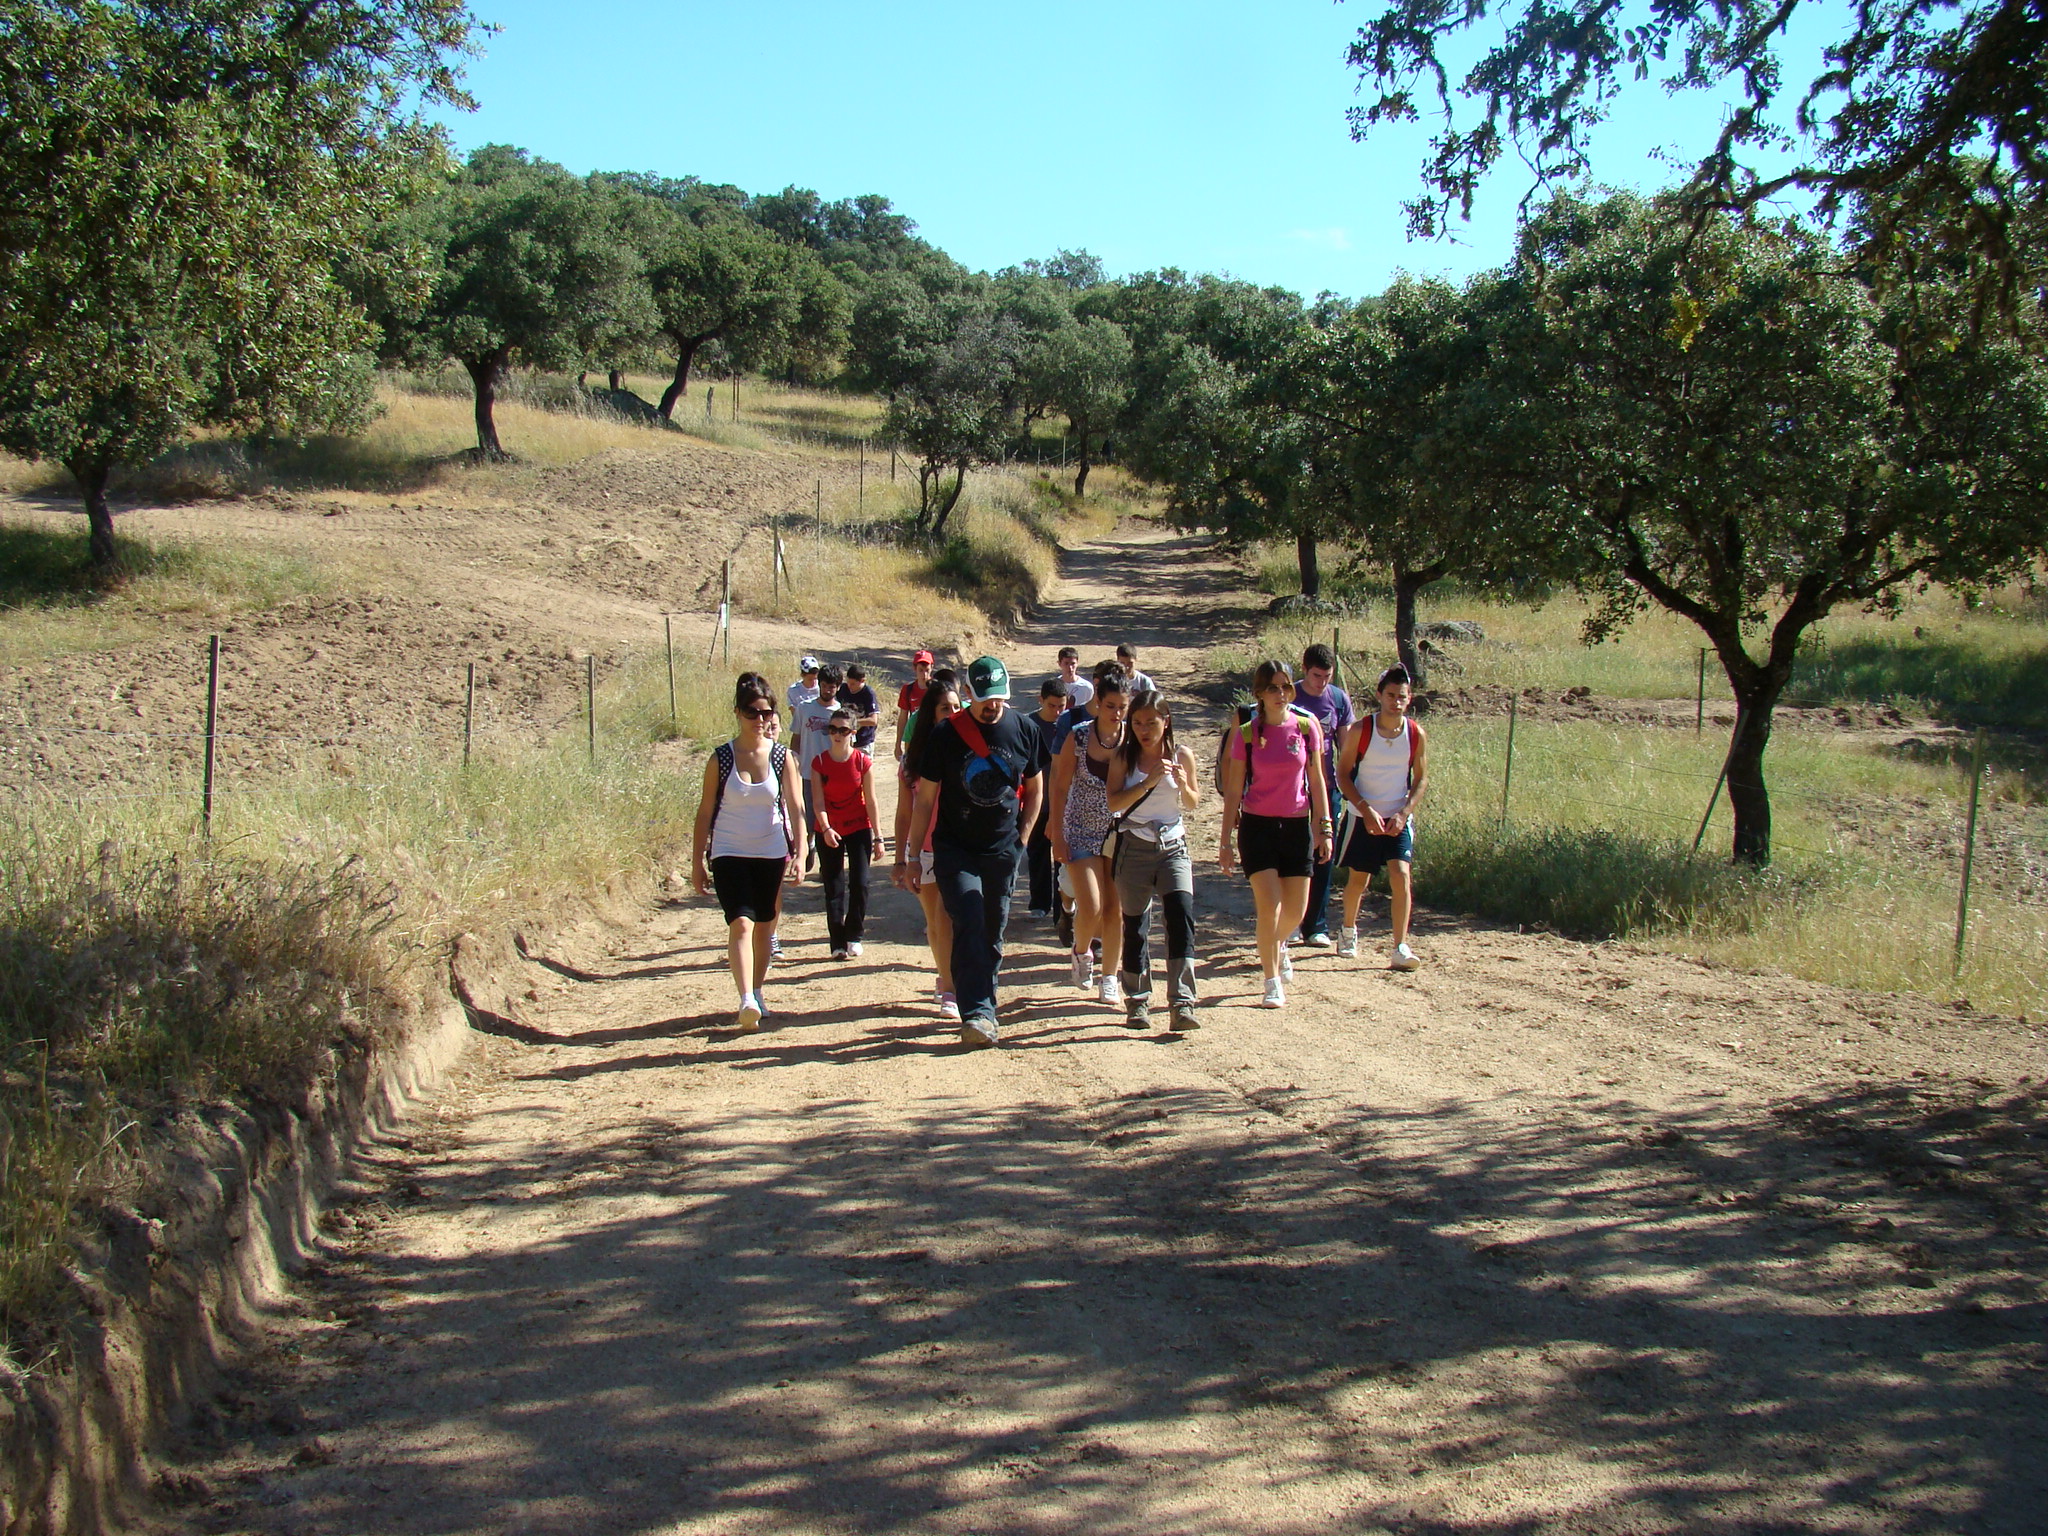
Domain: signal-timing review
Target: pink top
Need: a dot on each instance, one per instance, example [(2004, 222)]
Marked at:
[(1279, 765)]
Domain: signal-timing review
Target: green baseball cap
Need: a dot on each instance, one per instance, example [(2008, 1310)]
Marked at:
[(987, 678)]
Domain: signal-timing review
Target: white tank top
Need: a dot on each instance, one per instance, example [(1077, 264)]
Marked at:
[(750, 821), (1157, 817), (1382, 773)]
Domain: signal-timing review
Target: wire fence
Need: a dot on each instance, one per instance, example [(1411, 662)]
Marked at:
[(144, 764)]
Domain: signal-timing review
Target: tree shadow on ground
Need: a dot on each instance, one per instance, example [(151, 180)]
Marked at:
[(827, 1318)]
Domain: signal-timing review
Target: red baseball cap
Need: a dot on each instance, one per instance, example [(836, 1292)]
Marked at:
[(923, 656)]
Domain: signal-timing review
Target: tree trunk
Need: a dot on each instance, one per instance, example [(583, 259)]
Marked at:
[(615, 378), (1081, 474), (99, 517), (684, 353), (583, 378), (1404, 630), (1748, 796), (484, 374), (1311, 568), (924, 493), (952, 500)]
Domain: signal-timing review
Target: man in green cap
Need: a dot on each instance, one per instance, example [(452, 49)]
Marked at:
[(983, 776)]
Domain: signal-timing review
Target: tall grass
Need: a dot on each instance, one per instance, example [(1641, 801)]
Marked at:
[(146, 972), (1863, 888)]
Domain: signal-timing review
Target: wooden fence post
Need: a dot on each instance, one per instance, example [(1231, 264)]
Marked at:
[(1969, 847)]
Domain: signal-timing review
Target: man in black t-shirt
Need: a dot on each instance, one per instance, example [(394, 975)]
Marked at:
[(982, 777)]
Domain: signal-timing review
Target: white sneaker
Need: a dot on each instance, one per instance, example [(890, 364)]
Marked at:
[(949, 1007), (978, 1032), (1286, 964), (1347, 944), (1110, 991), (1276, 994), (1084, 970), (1317, 941), (748, 1019), (775, 945), (839, 956), (853, 949), (1403, 958)]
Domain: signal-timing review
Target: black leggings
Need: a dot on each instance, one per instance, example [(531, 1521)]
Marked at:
[(845, 872)]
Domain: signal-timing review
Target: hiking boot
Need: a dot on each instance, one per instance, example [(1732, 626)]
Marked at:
[(1138, 1011), (1183, 1020)]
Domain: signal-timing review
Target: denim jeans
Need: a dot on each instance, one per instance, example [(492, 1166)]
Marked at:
[(974, 886), (1144, 869), (845, 873), (1045, 894), (1316, 919)]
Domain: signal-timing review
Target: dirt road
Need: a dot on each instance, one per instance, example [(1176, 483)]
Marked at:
[(1544, 1237)]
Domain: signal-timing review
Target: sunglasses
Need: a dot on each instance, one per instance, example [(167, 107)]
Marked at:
[(759, 714), (841, 730)]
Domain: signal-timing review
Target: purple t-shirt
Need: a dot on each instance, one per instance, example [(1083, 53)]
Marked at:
[(1332, 709)]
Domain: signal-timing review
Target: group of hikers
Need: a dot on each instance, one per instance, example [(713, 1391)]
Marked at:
[(1089, 792)]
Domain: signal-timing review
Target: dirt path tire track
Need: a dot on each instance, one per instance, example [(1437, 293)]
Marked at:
[(1546, 1237)]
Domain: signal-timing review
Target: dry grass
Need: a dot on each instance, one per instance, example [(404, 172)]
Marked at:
[(144, 971)]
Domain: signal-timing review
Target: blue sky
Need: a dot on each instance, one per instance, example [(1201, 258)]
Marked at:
[(1198, 134)]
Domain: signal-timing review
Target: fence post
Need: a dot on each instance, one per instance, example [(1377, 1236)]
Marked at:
[(860, 493), (212, 714), (1720, 779), (735, 398), (590, 701), (1699, 723), (710, 390), (775, 555), (1969, 847), (892, 463), (725, 613), (468, 714), (1507, 777), (668, 637)]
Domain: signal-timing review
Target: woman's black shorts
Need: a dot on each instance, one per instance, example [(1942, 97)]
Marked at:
[(748, 887), (1278, 843)]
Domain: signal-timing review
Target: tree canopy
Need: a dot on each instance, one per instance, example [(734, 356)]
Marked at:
[(1939, 109), (178, 185)]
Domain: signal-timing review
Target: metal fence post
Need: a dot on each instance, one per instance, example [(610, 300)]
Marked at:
[(860, 491), (668, 637), (1719, 780), (212, 715), (725, 613), (1969, 847), (1507, 777), (468, 714), (590, 701), (775, 555)]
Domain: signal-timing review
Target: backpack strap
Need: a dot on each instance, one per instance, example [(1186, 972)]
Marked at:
[(723, 755), (778, 760), (968, 729)]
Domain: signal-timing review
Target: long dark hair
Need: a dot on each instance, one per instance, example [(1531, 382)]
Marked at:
[(944, 681), (1131, 748)]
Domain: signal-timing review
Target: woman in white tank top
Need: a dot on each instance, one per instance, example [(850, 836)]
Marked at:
[(1152, 784), (750, 838), (1382, 772)]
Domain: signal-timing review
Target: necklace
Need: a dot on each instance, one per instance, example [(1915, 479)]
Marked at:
[(1108, 746)]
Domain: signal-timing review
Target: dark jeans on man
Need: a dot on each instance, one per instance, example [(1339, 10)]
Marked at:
[(845, 873), (1045, 884), (974, 886), (1316, 917)]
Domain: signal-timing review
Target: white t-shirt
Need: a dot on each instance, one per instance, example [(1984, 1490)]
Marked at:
[(1139, 683), (1382, 773), (801, 693), (813, 724), (1157, 817), (750, 822), (1079, 691)]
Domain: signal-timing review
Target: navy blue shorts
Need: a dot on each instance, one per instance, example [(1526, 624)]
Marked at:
[(1371, 852)]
